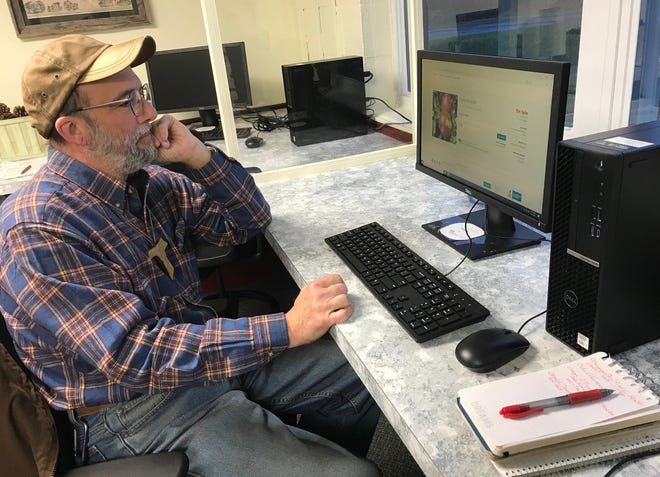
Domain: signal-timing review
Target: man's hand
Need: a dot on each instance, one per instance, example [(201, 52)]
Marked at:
[(176, 143), (319, 305)]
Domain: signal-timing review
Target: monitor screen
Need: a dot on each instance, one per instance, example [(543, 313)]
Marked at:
[(182, 80), (489, 126)]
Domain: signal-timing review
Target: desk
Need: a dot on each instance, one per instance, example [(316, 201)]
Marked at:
[(14, 174), (416, 384), (279, 152)]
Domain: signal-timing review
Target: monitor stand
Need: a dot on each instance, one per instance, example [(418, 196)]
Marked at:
[(492, 232), (209, 129)]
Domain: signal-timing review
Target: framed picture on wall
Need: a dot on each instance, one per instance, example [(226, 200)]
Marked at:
[(57, 17)]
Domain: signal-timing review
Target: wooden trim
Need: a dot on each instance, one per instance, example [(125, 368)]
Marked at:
[(31, 19)]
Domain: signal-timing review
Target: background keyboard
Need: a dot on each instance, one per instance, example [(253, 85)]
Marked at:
[(425, 302), (216, 134)]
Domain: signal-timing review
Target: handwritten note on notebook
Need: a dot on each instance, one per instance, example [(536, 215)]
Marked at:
[(630, 404)]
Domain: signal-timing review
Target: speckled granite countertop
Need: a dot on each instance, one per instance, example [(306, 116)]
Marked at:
[(416, 384)]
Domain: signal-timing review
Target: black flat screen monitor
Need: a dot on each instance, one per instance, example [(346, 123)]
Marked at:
[(489, 126), (182, 80)]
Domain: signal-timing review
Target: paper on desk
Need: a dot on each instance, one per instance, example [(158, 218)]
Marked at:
[(22, 168), (483, 403)]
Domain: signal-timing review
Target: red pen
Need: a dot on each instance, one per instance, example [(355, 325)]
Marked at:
[(517, 411)]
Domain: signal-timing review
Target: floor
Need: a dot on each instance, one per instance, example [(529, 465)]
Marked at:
[(390, 455)]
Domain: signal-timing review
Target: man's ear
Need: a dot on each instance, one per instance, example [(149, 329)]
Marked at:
[(72, 129)]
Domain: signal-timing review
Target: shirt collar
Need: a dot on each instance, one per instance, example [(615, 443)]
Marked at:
[(102, 186)]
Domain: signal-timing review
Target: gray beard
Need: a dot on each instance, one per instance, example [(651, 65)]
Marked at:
[(124, 153)]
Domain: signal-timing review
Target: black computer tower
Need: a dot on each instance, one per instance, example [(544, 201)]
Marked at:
[(325, 100), (604, 279)]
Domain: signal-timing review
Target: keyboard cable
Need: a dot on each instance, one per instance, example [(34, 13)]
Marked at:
[(465, 226)]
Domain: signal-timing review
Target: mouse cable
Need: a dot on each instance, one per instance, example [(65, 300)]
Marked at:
[(467, 217), (530, 319)]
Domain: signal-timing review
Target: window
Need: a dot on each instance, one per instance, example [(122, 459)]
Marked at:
[(613, 47), (645, 101), (536, 29)]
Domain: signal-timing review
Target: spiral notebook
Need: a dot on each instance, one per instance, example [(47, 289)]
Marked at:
[(581, 452), (579, 429)]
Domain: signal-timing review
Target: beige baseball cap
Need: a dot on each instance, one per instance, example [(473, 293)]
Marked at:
[(55, 70)]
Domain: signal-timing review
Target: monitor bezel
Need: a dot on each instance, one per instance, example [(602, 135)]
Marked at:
[(244, 69), (214, 104), (560, 72)]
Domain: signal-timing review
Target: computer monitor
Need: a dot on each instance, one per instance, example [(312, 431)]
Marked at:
[(182, 80), (489, 127)]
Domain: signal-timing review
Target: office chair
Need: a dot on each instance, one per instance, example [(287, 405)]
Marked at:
[(232, 301), (37, 440), (211, 259)]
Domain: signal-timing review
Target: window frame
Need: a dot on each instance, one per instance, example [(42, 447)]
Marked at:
[(606, 68)]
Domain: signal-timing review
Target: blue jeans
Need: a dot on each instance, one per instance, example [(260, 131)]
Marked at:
[(232, 428)]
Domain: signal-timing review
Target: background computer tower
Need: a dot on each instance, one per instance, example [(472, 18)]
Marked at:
[(325, 99), (604, 278)]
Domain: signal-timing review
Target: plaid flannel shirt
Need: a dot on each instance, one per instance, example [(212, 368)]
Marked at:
[(96, 320)]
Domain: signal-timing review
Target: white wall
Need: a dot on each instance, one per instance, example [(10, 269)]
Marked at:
[(271, 34), (275, 32), (171, 26)]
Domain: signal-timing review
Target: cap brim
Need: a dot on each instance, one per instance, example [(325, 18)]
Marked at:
[(116, 58)]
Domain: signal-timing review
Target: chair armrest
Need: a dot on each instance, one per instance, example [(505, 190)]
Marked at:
[(165, 464), (214, 255), (209, 255)]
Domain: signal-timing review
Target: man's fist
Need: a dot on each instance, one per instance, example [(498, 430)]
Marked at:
[(320, 304)]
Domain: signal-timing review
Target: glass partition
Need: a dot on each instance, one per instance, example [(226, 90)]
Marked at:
[(315, 31)]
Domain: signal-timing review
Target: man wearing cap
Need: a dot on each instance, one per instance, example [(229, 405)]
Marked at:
[(99, 289)]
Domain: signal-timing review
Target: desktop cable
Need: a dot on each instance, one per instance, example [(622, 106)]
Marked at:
[(371, 100), (264, 123)]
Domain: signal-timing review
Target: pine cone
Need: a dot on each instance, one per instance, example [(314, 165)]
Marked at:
[(5, 112), (19, 111)]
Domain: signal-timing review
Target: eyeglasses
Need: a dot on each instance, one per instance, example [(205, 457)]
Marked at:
[(135, 100)]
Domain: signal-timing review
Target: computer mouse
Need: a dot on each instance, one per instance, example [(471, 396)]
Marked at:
[(486, 350), (254, 141)]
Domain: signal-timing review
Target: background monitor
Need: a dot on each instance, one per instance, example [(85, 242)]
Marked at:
[(182, 80), (489, 127)]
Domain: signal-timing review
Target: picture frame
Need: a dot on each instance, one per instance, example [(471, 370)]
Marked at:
[(33, 18)]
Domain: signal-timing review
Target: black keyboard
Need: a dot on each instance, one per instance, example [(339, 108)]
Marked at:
[(216, 134), (242, 133), (425, 302)]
